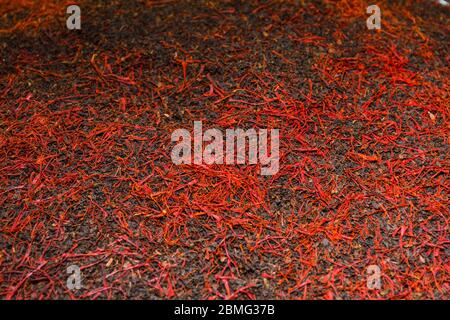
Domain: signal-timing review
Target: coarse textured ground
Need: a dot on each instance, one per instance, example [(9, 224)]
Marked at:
[(86, 176)]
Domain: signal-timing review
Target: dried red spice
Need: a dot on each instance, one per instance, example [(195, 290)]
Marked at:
[(86, 177)]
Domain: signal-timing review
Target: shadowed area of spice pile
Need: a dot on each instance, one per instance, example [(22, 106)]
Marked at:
[(86, 176)]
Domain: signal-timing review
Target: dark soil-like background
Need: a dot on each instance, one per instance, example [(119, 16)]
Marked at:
[(86, 177)]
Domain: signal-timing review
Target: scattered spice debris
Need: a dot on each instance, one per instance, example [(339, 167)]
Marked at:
[(86, 177)]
